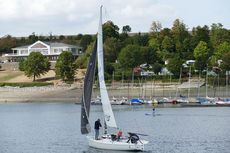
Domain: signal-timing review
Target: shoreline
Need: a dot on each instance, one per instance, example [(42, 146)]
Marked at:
[(73, 93), (45, 94)]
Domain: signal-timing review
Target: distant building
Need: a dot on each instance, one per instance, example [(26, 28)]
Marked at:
[(49, 49), (147, 73), (165, 71)]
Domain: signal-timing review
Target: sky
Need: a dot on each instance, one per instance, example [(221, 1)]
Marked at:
[(20, 18)]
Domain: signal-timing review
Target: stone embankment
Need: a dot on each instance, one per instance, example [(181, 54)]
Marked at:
[(14, 66)]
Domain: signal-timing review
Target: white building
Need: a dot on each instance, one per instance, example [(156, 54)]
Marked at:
[(49, 49)]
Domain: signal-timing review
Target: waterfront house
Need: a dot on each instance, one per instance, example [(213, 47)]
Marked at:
[(49, 49)]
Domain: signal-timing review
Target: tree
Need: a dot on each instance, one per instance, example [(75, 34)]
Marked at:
[(85, 41), (202, 54), (215, 26), (200, 34), (168, 45), (226, 61), (21, 65), (61, 37), (200, 64), (175, 65), (149, 55), (82, 61), (65, 66), (219, 35), (126, 29), (202, 50), (154, 43), (168, 48), (7, 43), (140, 39), (163, 33), (179, 31), (79, 36), (187, 45), (222, 49), (36, 65), (155, 29), (129, 57), (109, 68), (157, 68), (32, 38), (112, 48), (110, 30), (179, 48)]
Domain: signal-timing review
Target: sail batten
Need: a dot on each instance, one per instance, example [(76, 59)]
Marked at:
[(87, 91), (107, 109)]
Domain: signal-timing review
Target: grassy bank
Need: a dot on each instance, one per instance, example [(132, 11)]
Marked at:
[(10, 75), (25, 84)]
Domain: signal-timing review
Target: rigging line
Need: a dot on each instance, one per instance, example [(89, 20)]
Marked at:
[(137, 126), (106, 14), (135, 121)]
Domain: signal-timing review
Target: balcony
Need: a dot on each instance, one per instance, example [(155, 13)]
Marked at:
[(13, 55)]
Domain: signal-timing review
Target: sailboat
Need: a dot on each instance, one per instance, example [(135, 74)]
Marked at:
[(106, 141)]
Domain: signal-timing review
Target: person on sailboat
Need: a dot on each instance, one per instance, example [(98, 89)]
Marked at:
[(133, 137), (153, 107), (119, 135), (97, 126)]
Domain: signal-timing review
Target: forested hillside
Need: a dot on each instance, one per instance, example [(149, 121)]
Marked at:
[(125, 50)]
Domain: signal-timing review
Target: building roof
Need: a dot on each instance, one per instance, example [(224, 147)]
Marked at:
[(51, 44), (56, 44), (26, 46)]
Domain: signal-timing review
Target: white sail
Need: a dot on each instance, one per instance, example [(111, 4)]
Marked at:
[(107, 109)]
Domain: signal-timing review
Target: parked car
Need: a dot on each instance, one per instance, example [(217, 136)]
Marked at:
[(138, 69), (185, 74), (216, 69)]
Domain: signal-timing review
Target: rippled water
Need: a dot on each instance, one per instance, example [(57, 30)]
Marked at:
[(55, 128)]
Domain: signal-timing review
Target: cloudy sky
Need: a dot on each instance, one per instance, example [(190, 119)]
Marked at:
[(70, 17)]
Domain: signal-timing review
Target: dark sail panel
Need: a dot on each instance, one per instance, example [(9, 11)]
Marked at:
[(87, 92)]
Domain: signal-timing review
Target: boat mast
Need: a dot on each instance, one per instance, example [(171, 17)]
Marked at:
[(178, 82), (198, 88), (189, 77), (206, 82), (227, 73)]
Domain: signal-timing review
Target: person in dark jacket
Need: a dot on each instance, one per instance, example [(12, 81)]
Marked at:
[(133, 137), (97, 126)]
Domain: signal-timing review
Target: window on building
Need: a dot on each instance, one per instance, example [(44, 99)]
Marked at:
[(56, 51), (42, 51), (24, 52), (73, 50)]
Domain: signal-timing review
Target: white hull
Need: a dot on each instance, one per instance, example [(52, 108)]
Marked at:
[(222, 103), (106, 143)]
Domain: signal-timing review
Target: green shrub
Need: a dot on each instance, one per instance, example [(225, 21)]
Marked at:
[(21, 65)]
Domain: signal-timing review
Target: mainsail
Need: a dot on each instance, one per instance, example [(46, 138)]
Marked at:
[(87, 92), (107, 109)]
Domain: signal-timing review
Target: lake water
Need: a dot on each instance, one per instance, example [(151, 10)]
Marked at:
[(55, 128)]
